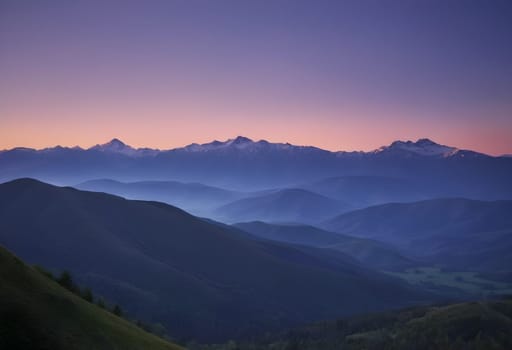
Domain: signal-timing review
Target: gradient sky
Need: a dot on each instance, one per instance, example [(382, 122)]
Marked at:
[(341, 75)]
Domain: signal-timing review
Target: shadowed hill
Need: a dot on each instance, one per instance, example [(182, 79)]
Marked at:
[(369, 252), (472, 326), (458, 232), (196, 198), (198, 279), (363, 191), (288, 205)]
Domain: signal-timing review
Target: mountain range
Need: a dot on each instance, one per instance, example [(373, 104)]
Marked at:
[(198, 278), (242, 164), (422, 147)]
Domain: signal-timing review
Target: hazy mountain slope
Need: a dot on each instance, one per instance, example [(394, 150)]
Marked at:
[(459, 232), (475, 325), (287, 205), (196, 278), (369, 252), (37, 313), (196, 198), (363, 191)]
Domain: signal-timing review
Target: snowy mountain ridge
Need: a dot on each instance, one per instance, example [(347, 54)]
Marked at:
[(243, 144), (424, 147), (117, 146)]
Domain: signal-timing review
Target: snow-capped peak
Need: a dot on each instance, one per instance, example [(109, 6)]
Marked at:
[(239, 142), (424, 147), (117, 146), (114, 145)]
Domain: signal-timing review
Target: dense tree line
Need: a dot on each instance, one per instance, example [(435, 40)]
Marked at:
[(470, 326)]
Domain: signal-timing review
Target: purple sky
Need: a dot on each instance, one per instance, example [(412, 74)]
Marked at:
[(335, 74)]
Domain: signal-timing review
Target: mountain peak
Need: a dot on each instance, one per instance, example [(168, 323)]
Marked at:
[(426, 141), (116, 146), (116, 142), (239, 140), (424, 147)]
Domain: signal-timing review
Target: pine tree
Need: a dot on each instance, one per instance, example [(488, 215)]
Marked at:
[(87, 295), (66, 281), (117, 311), (100, 303)]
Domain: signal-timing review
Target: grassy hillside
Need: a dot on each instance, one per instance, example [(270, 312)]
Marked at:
[(467, 326), (37, 313)]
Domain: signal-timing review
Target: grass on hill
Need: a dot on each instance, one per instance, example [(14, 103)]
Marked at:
[(37, 313)]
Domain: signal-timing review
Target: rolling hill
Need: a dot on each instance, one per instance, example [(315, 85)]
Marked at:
[(286, 205), (37, 313), (364, 191), (459, 233), (200, 280), (368, 252), (195, 198)]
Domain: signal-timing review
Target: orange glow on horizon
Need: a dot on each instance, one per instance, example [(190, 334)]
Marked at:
[(166, 74), (356, 134)]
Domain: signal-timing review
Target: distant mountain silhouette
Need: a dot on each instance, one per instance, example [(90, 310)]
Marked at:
[(422, 147), (460, 233), (116, 146), (198, 278), (243, 164)]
